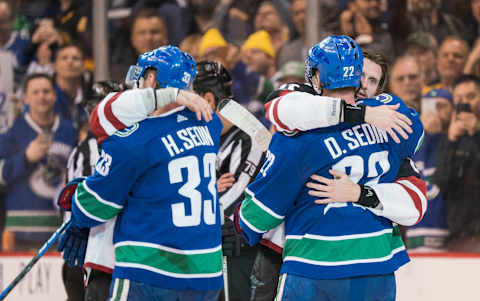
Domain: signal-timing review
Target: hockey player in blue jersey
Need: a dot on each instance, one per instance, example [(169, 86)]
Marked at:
[(337, 251), (157, 253)]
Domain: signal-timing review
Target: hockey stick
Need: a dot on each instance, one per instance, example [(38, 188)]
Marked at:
[(34, 260), (244, 120)]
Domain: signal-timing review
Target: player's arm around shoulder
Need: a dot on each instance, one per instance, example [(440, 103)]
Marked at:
[(297, 107)]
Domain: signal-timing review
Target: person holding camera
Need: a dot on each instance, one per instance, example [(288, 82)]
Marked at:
[(458, 165)]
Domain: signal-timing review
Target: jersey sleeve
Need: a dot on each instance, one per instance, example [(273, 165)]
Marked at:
[(292, 111), (102, 195), (271, 194), (404, 201), (120, 110)]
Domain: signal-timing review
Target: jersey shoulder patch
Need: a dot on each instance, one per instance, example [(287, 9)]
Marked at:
[(127, 131), (384, 98)]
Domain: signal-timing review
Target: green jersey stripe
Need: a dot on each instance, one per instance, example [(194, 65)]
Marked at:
[(255, 214), (334, 252), (118, 292), (168, 263), (93, 207)]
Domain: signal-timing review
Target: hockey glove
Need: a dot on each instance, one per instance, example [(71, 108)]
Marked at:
[(66, 195), (73, 244), (231, 241)]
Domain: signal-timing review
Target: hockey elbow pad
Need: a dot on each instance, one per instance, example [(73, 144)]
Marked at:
[(353, 113)]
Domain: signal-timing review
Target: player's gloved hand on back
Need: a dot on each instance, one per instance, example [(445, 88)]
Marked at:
[(73, 244), (66, 195), (231, 241)]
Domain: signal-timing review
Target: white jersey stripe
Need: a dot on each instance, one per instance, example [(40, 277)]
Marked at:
[(345, 262)]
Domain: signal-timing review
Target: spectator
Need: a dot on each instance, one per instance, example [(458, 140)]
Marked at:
[(33, 156), (458, 164), (362, 21), (423, 15), (10, 40), (191, 45), (474, 23), (431, 232), (70, 83), (72, 21), (148, 31), (451, 59), (251, 75), (171, 13), (290, 72), (7, 103), (258, 53), (45, 40), (213, 47), (423, 46), (296, 50), (268, 18), (406, 81)]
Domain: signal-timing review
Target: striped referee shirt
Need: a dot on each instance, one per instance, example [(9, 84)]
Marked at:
[(243, 159), (81, 162)]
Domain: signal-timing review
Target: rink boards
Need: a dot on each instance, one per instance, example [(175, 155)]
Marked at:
[(435, 277)]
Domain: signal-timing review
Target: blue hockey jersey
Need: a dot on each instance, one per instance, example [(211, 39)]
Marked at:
[(335, 240), (159, 177)]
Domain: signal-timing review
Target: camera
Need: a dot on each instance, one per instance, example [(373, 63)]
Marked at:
[(463, 107)]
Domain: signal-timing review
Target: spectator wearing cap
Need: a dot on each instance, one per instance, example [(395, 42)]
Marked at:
[(213, 47), (258, 53), (290, 72), (431, 232), (424, 47), (406, 81), (451, 59), (251, 75)]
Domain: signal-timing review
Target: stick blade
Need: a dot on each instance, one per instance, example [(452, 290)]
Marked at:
[(246, 121)]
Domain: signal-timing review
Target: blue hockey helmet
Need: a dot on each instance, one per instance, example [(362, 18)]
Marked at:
[(175, 68), (339, 61)]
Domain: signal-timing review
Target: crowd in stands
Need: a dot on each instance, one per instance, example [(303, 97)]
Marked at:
[(46, 64)]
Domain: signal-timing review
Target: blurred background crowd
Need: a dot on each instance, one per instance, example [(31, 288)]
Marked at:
[(46, 65)]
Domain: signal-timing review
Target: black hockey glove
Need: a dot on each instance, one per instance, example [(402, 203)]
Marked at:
[(231, 241), (73, 244)]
